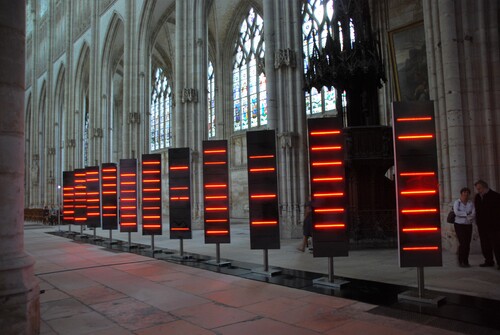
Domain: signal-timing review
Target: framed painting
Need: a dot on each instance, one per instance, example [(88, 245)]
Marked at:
[(409, 62)]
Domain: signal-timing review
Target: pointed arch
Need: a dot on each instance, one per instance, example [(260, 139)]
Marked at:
[(59, 123), (28, 130), (80, 118)]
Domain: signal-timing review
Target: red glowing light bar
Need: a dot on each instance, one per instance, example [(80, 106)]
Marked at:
[(151, 190), (418, 230), (419, 211), (108, 170), (179, 228), (261, 156), (151, 217), (109, 207), (418, 192), (179, 198), (128, 207), (326, 179), (416, 137), (215, 151), (179, 167), (329, 225), (322, 195), (217, 232), (151, 207), (214, 197), (216, 208), (92, 179), (416, 174), (151, 199), (259, 223), (328, 210), (128, 224), (151, 226), (323, 133), (420, 248), (328, 148), (263, 196), (151, 163), (151, 171), (215, 163), (411, 119), (108, 178), (216, 220), (151, 181), (215, 185), (128, 174), (179, 188), (326, 163), (262, 169)]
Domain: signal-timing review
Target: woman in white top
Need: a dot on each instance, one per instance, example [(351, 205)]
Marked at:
[(465, 214)]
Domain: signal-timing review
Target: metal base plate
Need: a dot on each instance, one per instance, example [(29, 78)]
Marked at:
[(324, 281), (181, 257), (219, 264), (413, 296), (269, 273)]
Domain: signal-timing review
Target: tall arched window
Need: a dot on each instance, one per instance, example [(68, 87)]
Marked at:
[(211, 100), (249, 78), (317, 18), (161, 111)]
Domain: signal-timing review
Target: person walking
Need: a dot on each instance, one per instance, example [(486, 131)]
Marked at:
[(487, 204), (465, 215), (307, 227)]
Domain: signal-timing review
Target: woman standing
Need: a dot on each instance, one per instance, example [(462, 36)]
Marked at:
[(465, 214)]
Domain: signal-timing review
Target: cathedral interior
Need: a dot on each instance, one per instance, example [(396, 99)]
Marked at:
[(98, 82)]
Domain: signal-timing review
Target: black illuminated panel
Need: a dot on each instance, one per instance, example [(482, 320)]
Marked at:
[(128, 195), (93, 196), (419, 228), (179, 180), (80, 197), (109, 187), (216, 192), (263, 190), (327, 177), (151, 194), (68, 197)]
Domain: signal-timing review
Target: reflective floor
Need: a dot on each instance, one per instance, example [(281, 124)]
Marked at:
[(472, 296)]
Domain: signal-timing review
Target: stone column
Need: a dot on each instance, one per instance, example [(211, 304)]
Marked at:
[(191, 60), (284, 72), (19, 292)]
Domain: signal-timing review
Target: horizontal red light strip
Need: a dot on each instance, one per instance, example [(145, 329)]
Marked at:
[(92, 200), (420, 248), (336, 147), (215, 151), (128, 207), (128, 216), (128, 224), (217, 232), (257, 223), (215, 186), (91, 173), (128, 199), (127, 191), (127, 174), (151, 226), (183, 229), (263, 196), (152, 217), (417, 230), (416, 137), (108, 207), (179, 188), (151, 163), (179, 167), (418, 192), (108, 170), (93, 214), (179, 198), (326, 163), (92, 180), (329, 225), (328, 179), (148, 208), (262, 170), (151, 171), (328, 210), (419, 211), (216, 208), (80, 219), (216, 220), (114, 185), (151, 190), (215, 163), (261, 156), (109, 215), (105, 177), (325, 132), (68, 188), (212, 197), (322, 195), (79, 174), (151, 181), (410, 119), (416, 174), (151, 199)]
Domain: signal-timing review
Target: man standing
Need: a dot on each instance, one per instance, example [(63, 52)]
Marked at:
[(487, 204)]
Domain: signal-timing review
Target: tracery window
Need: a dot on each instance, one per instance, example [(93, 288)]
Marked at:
[(211, 100), (161, 112), (249, 78), (317, 16)]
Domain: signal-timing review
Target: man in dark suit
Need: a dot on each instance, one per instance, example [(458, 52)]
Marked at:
[(487, 203)]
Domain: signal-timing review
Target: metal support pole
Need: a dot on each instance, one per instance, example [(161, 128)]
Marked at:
[(181, 246), (69, 226), (110, 238), (95, 232), (129, 241), (81, 229), (153, 244), (266, 260), (217, 253), (330, 269), (420, 280)]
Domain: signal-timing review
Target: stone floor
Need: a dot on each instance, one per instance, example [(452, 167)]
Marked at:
[(92, 290)]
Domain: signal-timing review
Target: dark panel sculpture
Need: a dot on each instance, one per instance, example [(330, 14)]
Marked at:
[(128, 195), (263, 190), (151, 194), (68, 197), (179, 178), (327, 174), (419, 228), (109, 187), (216, 192), (80, 197), (93, 188)]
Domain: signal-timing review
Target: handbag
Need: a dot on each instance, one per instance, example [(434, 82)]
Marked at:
[(451, 217)]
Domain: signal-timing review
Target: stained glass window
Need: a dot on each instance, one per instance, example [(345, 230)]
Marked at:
[(211, 100), (317, 16), (161, 112), (249, 78)]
